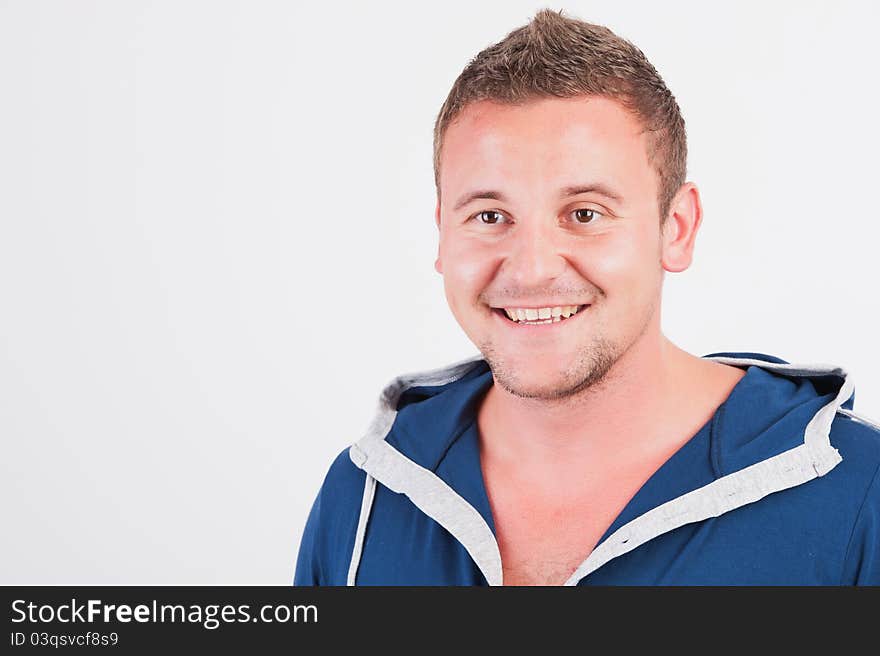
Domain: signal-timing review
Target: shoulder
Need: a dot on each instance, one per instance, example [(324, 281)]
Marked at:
[(339, 499), (857, 438), (328, 538), (848, 490), (344, 479), (853, 419)]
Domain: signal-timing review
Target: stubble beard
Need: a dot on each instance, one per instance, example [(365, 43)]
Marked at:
[(591, 365)]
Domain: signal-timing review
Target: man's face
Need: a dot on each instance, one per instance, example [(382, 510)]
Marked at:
[(574, 223)]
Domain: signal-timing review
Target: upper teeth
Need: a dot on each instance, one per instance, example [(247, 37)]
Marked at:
[(532, 314)]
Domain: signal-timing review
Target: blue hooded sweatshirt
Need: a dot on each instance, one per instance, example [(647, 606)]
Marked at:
[(779, 487)]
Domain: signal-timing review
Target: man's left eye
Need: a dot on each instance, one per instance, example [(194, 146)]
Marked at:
[(586, 215)]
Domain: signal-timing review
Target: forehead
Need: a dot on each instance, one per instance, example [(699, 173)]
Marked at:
[(585, 136)]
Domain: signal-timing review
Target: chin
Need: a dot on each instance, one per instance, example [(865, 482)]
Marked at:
[(557, 377), (531, 390), (520, 377)]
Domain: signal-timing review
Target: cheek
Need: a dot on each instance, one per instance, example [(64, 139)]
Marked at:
[(624, 265), (467, 268)]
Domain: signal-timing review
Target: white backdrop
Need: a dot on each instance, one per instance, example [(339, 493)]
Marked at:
[(217, 245)]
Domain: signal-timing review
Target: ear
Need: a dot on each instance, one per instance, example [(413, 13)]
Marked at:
[(438, 266), (679, 231)]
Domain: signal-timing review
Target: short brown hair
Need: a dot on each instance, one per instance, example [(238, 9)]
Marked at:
[(554, 55)]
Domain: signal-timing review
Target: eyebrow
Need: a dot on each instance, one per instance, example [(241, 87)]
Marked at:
[(565, 192)]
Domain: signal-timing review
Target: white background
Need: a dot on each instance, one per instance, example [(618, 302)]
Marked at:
[(217, 245)]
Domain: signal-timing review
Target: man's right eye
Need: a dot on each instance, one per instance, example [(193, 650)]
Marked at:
[(488, 217)]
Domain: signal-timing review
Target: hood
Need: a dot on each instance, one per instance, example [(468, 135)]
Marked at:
[(780, 439)]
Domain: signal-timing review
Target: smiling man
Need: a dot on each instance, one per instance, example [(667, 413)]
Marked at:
[(581, 446)]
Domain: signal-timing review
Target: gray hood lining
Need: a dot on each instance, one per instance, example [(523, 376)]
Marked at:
[(385, 464), (433, 496), (740, 488), (366, 506)]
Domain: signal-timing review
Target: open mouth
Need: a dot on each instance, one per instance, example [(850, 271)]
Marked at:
[(539, 316)]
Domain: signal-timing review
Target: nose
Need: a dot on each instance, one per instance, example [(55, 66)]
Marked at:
[(535, 258)]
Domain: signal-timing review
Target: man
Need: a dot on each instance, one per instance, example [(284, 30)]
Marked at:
[(582, 446)]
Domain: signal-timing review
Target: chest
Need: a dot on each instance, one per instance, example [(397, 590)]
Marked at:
[(544, 538)]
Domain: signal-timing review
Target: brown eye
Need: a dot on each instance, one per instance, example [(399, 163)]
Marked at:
[(586, 215), (494, 216)]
